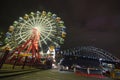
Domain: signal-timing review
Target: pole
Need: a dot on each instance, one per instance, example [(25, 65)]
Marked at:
[(4, 58), (24, 62)]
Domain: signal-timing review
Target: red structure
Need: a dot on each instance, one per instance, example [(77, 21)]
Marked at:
[(27, 49)]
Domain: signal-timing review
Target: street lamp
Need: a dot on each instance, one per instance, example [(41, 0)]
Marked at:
[(100, 60)]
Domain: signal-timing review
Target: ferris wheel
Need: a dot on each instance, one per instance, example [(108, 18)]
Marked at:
[(43, 28)]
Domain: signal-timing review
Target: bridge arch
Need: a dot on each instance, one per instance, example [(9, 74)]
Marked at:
[(91, 52)]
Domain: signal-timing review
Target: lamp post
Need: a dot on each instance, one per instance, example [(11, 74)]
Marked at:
[(100, 60)]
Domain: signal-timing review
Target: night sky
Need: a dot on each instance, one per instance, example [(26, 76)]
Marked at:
[(89, 22)]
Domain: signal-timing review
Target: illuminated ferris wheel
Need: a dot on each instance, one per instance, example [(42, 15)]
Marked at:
[(43, 28)]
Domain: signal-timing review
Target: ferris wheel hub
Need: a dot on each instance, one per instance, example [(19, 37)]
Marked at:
[(35, 29)]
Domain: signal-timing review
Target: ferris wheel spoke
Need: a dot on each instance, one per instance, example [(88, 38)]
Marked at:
[(48, 30), (37, 20), (23, 33), (46, 34), (42, 39), (27, 23), (56, 43), (51, 24), (33, 19), (50, 34), (46, 37), (24, 38), (20, 42), (40, 43), (43, 19), (46, 20), (19, 38), (40, 19), (24, 27), (30, 21), (50, 21), (27, 27), (27, 35)]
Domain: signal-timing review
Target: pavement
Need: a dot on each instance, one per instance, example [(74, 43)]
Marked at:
[(5, 73), (50, 74)]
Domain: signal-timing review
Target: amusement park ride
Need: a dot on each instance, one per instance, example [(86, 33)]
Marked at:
[(34, 36)]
